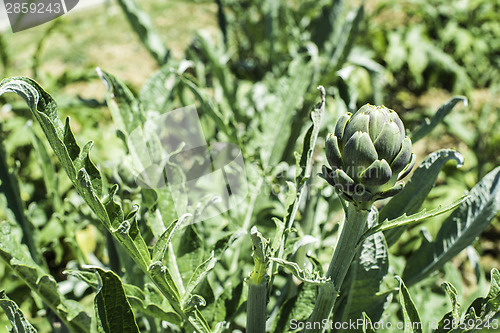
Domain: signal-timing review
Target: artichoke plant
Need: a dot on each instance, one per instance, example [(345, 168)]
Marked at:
[(368, 154)]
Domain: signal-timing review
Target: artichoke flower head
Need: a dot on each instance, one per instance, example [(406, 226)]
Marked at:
[(368, 154)]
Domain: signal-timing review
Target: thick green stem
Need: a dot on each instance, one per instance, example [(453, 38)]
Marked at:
[(354, 226), (257, 285), (256, 307)]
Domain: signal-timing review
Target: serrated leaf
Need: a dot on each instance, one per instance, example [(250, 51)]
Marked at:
[(114, 312), (88, 277), (85, 177), (70, 141), (494, 291), (136, 236), (80, 169), (485, 309), (459, 230), (163, 279), (412, 320), (84, 187), (480, 313), (199, 323), (162, 243), (416, 190), (418, 217), (304, 275), (83, 162), (197, 277), (113, 209), (437, 118), (19, 323), (128, 235), (136, 297), (194, 301), (452, 294), (310, 139)]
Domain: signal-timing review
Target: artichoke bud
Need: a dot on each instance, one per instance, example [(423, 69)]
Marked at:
[(368, 154)]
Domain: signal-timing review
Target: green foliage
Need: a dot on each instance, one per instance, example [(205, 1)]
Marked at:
[(114, 313), (417, 217), (10, 187), (458, 230), (16, 317), (417, 189), (17, 258), (411, 316), (88, 183), (143, 27), (438, 117), (446, 45), (479, 130), (98, 251)]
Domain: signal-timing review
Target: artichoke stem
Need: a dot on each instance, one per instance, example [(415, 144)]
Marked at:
[(345, 250), (257, 285), (256, 307)]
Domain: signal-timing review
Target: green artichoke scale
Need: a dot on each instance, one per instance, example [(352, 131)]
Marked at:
[(368, 154)]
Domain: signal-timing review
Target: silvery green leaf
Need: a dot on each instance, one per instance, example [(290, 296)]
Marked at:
[(412, 321), (165, 239), (414, 218), (304, 275), (114, 313), (416, 190), (197, 277), (199, 323), (459, 230), (480, 316)]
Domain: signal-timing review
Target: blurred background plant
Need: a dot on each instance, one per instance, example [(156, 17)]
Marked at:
[(251, 68)]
